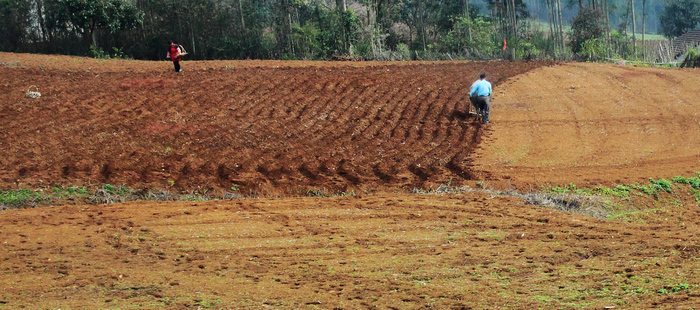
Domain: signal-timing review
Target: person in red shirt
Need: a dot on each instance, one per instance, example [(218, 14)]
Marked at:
[(174, 54)]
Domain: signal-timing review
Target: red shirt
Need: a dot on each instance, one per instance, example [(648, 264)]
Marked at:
[(174, 52)]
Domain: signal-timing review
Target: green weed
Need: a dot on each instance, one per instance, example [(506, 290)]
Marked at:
[(19, 199), (680, 287), (694, 182)]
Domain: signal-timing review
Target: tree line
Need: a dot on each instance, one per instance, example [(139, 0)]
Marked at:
[(339, 29)]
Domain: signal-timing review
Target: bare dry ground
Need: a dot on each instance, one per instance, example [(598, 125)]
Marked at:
[(278, 131), (593, 124)]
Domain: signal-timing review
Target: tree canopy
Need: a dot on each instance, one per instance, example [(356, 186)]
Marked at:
[(679, 16), (327, 29)]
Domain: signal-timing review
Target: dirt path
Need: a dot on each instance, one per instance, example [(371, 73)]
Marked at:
[(592, 124)]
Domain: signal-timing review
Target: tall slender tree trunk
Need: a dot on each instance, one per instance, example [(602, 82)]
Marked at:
[(194, 46), (422, 28), (289, 32), (240, 11), (465, 11), (515, 26), (634, 29), (552, 34), (561, 27), (644, 29), (346, 32), (42, 24), (607, 27)]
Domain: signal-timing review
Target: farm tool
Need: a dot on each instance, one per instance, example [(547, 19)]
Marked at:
[(472, 108), (183, 52)]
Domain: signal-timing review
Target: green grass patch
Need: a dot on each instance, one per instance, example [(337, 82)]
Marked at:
[(104, 194), (19, 198), (694, 182)]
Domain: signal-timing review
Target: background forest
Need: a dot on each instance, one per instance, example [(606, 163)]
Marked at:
[(349, 29)]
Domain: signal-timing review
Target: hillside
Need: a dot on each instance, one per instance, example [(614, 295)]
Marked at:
[(280, 133)]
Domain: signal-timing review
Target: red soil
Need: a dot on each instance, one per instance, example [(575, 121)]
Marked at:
[(266, 127), (282, 128)]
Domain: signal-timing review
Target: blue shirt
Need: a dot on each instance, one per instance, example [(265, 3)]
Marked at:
[(482, 88)]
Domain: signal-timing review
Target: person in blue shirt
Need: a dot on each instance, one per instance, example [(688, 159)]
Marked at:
[(482, 92), (472, 98)]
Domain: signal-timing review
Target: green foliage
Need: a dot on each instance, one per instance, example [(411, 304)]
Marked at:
[(469, 34), (660, 184), (679, 16), (593, 49), (18, 199), (348, 194), (326, 33), (622, 191), (588, 25), (99, 53), (14, 19), (306, 40), (109, 188), (680, 287), (571, 189), (617, 191), (404, 51), (696, 194), (620, 44), (692, 59), (527, 50), (692, 181), (80, 18), (643, 188), (298, 29)]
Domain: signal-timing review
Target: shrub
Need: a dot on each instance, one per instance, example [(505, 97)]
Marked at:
[(587, 25), (661, 184), (692, 59), (693, 181), (593, 49), (18, 199)]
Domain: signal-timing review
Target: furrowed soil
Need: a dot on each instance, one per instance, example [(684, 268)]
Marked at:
[(274, 132)]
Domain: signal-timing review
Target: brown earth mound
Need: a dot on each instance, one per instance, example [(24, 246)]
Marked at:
[(270, 127)]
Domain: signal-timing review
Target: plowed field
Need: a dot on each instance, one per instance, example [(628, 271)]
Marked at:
[(282, 130), (265, 127)]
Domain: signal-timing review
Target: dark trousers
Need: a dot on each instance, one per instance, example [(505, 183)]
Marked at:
[(472, 99), (176, 63), (483, 104)]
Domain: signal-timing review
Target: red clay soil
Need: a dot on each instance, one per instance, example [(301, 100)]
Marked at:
[(283, 128), (265, 127), (381, 251)]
